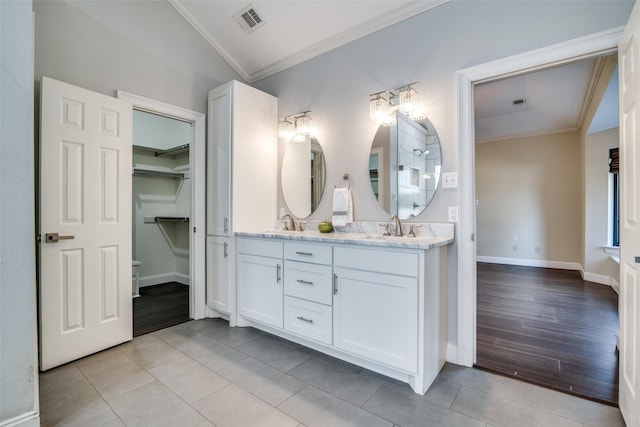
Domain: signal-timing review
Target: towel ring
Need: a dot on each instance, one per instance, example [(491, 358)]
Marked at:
[(347, 178)]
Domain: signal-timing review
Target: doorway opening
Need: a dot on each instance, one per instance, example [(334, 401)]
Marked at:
[(161, 191), (597, 45), (167, 214)]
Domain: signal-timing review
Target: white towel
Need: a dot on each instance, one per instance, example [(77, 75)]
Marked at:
[(342, 207)]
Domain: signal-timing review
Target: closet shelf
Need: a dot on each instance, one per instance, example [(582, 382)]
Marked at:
[(158, 173), (178, 149), (171, 219), (172, 151), (159, 219)]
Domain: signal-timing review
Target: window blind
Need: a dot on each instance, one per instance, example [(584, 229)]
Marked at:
[(614, 161)]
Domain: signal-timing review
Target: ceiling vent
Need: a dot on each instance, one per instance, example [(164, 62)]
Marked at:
[(248, 19), (519, 102)]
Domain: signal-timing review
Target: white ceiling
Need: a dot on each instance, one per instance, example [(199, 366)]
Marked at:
[(556, 101), (293, 31)]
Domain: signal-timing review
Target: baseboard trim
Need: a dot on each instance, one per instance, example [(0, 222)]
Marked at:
[(28, 419), (596, 278), (452, 353), (561, 265), (157, 279), (615, 286)]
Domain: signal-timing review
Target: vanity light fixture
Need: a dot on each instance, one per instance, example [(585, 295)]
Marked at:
[(405, 98), (296, 127), (285, 128)]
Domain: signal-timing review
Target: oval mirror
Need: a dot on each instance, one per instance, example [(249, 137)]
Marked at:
[(404, 166), (302, 176)]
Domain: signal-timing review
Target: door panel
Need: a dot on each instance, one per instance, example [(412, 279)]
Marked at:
[(629, 63), (85, 197)]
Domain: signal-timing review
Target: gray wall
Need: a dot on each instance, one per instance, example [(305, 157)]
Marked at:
[(142, 47), (18, 369), (428, 48)]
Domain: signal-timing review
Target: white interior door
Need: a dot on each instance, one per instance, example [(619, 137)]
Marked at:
[(629, 300), (85, 197)]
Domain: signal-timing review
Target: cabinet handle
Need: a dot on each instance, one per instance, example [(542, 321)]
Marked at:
[(304, 282), (225, 249), (304, 253), (335, 284), (226, 224), (304, 319), (278, 273)]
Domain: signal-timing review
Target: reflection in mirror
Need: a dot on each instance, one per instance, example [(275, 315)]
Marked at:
[(404, 166), (303, 176)]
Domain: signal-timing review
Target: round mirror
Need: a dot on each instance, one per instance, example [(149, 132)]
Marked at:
[(302, 176), (404, 165)]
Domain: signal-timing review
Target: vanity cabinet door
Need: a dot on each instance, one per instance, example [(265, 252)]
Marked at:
[(218, 267), (376, 316), (260, 289), (219, 162)]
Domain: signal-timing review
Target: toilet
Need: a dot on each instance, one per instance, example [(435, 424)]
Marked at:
[(135, 278)]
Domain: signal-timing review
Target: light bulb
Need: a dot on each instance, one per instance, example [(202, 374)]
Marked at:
[(378, 108)]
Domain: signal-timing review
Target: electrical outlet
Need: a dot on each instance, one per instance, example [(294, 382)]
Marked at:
[(450, 180), (281, 212), (515, 237), (453, 214)]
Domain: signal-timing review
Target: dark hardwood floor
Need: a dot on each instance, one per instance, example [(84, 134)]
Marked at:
[(548, 327), (160, 306)]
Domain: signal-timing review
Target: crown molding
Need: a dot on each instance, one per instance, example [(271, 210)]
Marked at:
[(191, 18), (347, 36)]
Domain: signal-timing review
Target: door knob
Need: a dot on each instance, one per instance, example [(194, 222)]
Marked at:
[(55, 237)]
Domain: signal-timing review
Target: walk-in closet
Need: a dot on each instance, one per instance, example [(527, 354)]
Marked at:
[(161, 211)]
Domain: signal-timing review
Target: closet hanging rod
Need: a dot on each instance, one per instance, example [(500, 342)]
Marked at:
[(171, 151), (171, 219)]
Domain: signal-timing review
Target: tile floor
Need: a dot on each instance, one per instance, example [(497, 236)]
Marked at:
[(203, 373)]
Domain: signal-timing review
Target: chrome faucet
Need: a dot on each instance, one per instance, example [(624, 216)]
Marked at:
[(398, 225), (289, 223)]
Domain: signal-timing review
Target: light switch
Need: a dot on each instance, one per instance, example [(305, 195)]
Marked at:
[(450, 180), (453, 214)]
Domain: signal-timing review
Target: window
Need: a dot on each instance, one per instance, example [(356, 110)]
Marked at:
[(614, 169)]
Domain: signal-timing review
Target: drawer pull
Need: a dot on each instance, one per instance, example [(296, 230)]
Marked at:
[(304, 282), (304, 253), (304, 319)]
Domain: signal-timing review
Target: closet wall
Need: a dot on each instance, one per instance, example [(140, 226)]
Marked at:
[(161, 198)]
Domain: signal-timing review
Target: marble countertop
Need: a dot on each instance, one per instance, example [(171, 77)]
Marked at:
[(358, 238)]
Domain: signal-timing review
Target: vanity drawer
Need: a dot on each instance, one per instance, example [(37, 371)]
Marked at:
[(308, 252), (260, 247), (308, 319), (381, 261), (308, 281)]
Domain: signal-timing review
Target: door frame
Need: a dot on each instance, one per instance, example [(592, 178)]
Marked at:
[(598, 44), (197, 166)]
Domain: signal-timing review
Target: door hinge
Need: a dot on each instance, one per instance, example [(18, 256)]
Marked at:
[(194, 229), (473, 237), (38, 238)]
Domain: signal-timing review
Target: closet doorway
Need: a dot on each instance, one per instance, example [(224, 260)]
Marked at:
[(167, 214)]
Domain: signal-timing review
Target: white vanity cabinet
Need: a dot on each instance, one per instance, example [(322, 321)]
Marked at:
[(381, 307), (260, 281), (242, 181), (308, 288), (375, 305)]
